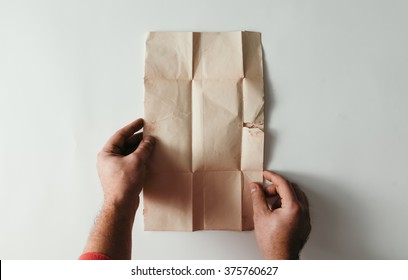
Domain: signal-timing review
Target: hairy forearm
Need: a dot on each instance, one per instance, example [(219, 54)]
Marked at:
[(282, 254), (112, 232)]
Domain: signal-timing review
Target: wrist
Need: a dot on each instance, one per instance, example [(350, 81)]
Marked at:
[(279, 253), (282, 256), (122, 209)]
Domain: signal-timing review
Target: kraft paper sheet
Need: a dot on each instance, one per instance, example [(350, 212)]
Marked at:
[(204, 103)]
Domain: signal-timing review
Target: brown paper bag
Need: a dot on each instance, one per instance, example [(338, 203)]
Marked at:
[(204, 105)]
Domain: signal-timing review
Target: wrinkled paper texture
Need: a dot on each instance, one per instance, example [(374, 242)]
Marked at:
[(204, 104)]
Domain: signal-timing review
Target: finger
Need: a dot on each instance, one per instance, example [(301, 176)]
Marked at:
[(284, 190), (259, 204), (301, 195), (272, 197), (274, 177), (116, 143), (134, 140), (271, 190), (276, 204), (132, 143), (297, 194), (145, 148)]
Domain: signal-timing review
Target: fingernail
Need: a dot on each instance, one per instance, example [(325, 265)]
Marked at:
[(253, 189)]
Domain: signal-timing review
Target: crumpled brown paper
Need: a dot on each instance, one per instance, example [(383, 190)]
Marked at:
[(204, 105)]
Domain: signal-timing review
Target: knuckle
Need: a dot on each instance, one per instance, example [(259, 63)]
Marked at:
[(296, 209), (142, 147)]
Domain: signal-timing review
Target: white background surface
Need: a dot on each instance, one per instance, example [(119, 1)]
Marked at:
[(71, 73)]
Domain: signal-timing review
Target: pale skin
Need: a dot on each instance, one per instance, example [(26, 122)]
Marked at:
[(281, 229)]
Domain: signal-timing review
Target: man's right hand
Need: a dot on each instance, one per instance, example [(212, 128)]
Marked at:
[(281, 229)]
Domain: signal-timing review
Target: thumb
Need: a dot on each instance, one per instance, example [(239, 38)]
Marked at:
[(144, 149), (259, 203)]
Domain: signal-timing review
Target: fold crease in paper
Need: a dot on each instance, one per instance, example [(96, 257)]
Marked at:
[(204, 103)]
